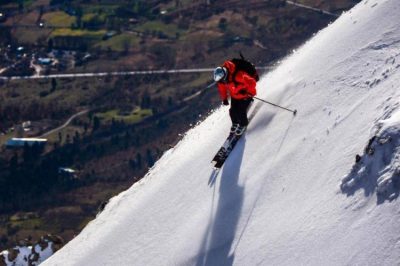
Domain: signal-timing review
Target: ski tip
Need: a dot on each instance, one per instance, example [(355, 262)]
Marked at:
[(216, 165), (294, 112)]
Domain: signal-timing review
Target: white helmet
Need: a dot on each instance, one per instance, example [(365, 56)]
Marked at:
[(220, 74)]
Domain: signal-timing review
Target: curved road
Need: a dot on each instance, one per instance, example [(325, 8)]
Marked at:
[(120, 73), (65, 124), (312, 8)]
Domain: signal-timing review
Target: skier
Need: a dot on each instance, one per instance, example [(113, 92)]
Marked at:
[(238, 77)]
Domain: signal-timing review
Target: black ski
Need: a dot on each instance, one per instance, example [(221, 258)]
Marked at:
[(230, 143), (225, 150), (221, 152)]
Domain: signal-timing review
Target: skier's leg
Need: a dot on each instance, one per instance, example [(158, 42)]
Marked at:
[(242, 107), (242, 112), (233, 112)]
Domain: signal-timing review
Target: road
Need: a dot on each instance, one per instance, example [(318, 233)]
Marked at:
[(120, 73), (87, 110), (65, 124), (312, 8)]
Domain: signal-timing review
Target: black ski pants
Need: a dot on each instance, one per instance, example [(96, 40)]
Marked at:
[(238, 111)]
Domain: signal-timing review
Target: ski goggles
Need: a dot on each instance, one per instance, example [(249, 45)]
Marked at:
[(220, 74)]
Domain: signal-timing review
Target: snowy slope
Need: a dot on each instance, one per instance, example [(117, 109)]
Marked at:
[(291, 192)]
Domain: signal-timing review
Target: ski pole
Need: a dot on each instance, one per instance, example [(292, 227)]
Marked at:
[(293, 111), (212, 84)]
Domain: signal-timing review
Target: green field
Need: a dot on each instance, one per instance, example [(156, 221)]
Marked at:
[(28, 224), (78, 33), (58, 19), (169, 29), (90, 16), (99, 8), (119, 43), (67, 131), (74, 38), (133, 117), (4, 138), (31, 36)]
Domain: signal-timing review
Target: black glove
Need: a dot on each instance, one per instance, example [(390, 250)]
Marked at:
[(225, 102), (243, 92)]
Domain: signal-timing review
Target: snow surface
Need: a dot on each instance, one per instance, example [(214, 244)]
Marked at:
[(281, 198)]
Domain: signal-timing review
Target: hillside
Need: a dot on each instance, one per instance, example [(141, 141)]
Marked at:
[(291, 193), (110, 129)]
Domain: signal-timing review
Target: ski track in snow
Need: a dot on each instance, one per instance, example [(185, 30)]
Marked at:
[(290, 193)]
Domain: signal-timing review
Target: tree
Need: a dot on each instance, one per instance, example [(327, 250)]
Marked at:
[(139, 161), (59, 137), (146, 101), (150, 158), (96, 123), (223, 24), (68, 139), (79, 14), (77, 138), (85, 128), (132, 163), (126, 45), (165, 54), (50, 44), (20, 6), (53, 84), (127, 138), (14, 163)]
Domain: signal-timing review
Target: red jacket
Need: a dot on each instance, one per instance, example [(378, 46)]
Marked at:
[(241, 81)]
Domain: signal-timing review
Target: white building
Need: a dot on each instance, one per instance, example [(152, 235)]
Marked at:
[(21, 142)]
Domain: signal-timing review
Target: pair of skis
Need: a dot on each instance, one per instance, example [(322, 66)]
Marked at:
[(223, 153), (230, 143)]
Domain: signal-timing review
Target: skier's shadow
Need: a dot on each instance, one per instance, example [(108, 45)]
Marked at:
[(220, 234)]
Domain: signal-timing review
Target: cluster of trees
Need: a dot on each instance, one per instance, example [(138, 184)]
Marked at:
[(3, 2), (5, 36), (23, 68), (57, 2), (28, 178), (11, 114), (166, 55), (80, 43), (136, 9)]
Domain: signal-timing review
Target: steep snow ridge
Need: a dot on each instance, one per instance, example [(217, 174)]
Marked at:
[(379, 167), (280, 198)]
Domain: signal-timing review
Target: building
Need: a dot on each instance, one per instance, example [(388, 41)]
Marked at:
[(27, 126), (2, 17), (21, 142), (67, 172), (45, 61)]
